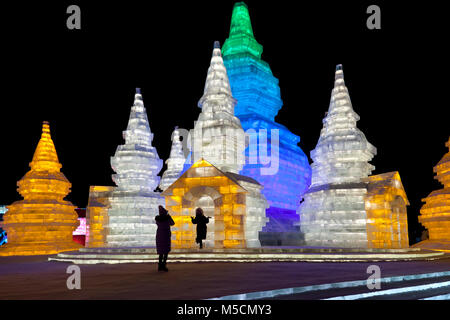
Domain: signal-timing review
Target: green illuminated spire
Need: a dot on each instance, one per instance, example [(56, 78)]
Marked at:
[(241, 39), (240, 21)]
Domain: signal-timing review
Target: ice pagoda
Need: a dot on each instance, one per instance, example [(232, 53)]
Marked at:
[(435, 213), (218, 135), (175, 163), (345, 206), (43, 222), (213, 181), (284, 170), (333, 212), (124, 216)]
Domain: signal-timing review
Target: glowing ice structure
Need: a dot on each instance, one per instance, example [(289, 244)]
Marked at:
[(175, 163), (345, 207), (3, 238), (234, 201), (129, 210), (97, 215), (333, 212), (258, 102), (43, 222), (387, 219), (81, 230), (435, 213), (218, 136)]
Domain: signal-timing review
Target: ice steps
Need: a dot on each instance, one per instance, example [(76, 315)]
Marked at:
[(149, 255)]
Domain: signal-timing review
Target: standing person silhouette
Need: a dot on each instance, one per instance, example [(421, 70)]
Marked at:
[(163, 235), (200, 220)]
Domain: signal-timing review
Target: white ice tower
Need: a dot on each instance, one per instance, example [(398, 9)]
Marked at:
[(134, 204), (213, 182), (175, 162), (333, 212), (218, 135)]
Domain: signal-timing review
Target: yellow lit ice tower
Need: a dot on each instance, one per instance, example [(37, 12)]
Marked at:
[(43, 222), (345, 207), (213, 182), (435, 213)]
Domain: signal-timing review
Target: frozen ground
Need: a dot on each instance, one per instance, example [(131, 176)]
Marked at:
[(36, 278)]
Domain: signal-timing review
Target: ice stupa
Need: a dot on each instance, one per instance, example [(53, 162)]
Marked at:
[(43, 222), (175, 163), (346, 206), (435, 213), (333, 212), (283, 170), (213, 182), (128, 210), (218, 135)]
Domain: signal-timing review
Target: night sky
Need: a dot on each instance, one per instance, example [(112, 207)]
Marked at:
[(83, 81)]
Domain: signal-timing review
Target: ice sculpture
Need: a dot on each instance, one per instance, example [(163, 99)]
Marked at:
[(387, 220), (175, 163), (80, 233), (435, 213), (97, 215), (3, 238), (218, 135), (43, 222), (333, 212), (235, 202), (132, 206), (136, 163), (258, 102)]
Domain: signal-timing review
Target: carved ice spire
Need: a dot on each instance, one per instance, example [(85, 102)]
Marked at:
[(174, 163), (136, 162), (218, 135), (342, 153)]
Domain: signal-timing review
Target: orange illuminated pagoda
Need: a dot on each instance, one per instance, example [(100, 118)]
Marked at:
[(43, 222), (435, 213)]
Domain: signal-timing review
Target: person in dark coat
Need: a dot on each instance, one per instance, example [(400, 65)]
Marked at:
[(200, 220), (163, 237)]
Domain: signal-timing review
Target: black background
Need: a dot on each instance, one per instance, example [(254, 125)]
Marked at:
[(167, 309), (83, 81)]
